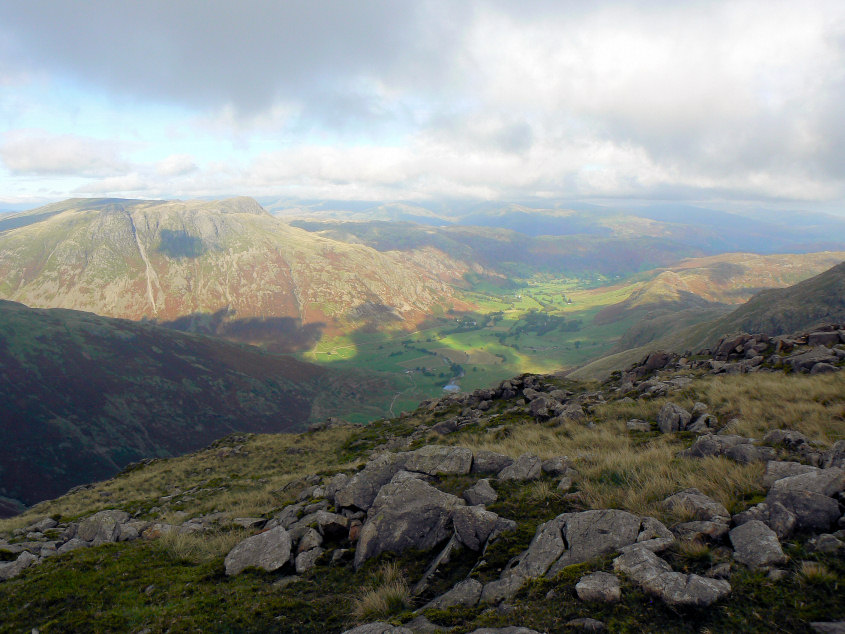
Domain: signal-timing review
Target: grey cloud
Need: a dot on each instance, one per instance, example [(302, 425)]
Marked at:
[(40, 153), (213, 53)]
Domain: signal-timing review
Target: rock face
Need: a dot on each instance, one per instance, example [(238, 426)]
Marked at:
[(756, 545), (655, 576), (439, 460), (406, 514), (473, 525), (467, 592), (601, 587), (489, 462), (672, 418), (102, 527), (526, 467), (269, 550), (480, 493)]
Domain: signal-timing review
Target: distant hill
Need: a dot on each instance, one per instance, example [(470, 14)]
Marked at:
[(819, 299), (82, 396), (169, 260)]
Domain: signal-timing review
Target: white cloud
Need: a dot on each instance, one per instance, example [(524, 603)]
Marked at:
[(41, 153), (176, 165)]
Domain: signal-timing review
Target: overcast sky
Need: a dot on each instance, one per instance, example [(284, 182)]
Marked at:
[(724, 102)]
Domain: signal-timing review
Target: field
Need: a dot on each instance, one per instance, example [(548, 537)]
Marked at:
[(543, 324)]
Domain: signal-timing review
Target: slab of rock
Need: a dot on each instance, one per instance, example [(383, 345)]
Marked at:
[(305, 561), (269, 550), (407, 514), (601, 587), (102, 527), (592, 533), (72, 544), (747, 453), (756, 545), (813, 511), (473, 525), (362, 488), (480, 493), (828, 627), (701, 530), (489, 462), (555, 466), (526, 467), (701, 506), (467, 592), (777, 470), (672, 418), (827, 482), (713, 445), (14, 568), (439, 460), (378, 627), (656, 577)]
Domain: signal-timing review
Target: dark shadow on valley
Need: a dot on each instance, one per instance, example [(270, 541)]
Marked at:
[(274, 334)]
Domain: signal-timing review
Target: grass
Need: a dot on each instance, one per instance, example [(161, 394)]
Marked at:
[(199, 548), (815, 573), (385, 596)]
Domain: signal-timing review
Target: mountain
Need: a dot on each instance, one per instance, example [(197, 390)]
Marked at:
[(165, 260), (675, 497), (82, 396)]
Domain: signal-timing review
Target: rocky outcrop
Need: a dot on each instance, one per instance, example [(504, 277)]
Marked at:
[(600, 587), (756, 545), (269, 551)]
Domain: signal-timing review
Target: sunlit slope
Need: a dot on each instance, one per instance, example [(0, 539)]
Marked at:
[(163, 260)]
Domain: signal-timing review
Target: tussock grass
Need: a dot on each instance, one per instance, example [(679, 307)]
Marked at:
[(199, 548), (386, 595), (815, 573)]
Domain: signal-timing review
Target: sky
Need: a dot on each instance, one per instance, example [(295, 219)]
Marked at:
[(730, 103)]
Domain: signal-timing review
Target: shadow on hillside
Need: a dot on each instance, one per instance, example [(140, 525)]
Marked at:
[(275, 334), (180, 244)]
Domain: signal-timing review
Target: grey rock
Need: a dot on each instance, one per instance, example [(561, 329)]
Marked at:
[(672, 418), (439, 460), (703, 424), (587, 624), (813, 511), (378, 627), (656, 577), (601, 587), (331, 525), (776, 470), (591, 533), (806, 360), (699, 505), (12, 569), (310, 540), (835, 457), (526, 467), (489, 462), (719, 571), (72, 544), (305, 561), (510, 629), (789, 438), (635, 424), (480, 493), (102, 527), (823, 368), (335, 484), (756, 545), (565, 484), (409, 514), (269, 550), (473, 525), (249, 522), (713, 445), (747, 453), (828, 627), (422, 625), (773, 514), (41, 525), (555, 466), (467, 592), (827, 482), (363, 487), (700, 530), (825, 543), (823, 338)]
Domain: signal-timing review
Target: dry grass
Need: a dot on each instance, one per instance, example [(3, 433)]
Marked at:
[(199, 548), (539, 493), (815, 573), (813, 405), (241, 484), (693, 550), (386, 595)]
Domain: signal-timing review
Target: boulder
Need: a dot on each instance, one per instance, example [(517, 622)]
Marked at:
[(776, 469), (828, 627), (306, 560), (712, 445), (700, 530), (14, 568), (805, 361), (592, 533), (656, 577), (378, 628), (827, 482), (555, 466), (362, 488), (102, 527), (309, 540), (747, 453), (526, 467), (756, 545), (473, 525), (439, 460), (601, 587), (489, 462), (700, 506), (823, 338), (466, 592), (72, 544), (510, 629), (331, 525), (586, 624), (813, 511), (269, 550), (480, 493), (672, 418), (835, 456), (406, 514)]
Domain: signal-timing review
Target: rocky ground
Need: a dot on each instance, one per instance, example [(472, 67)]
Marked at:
[(480, 555)]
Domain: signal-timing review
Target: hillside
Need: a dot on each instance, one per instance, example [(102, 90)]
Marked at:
[(816, 300), (169, 260), (84, 395), (682, 495)]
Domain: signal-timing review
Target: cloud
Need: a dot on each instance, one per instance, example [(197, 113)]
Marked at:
[(41, 153), (176, 165)]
